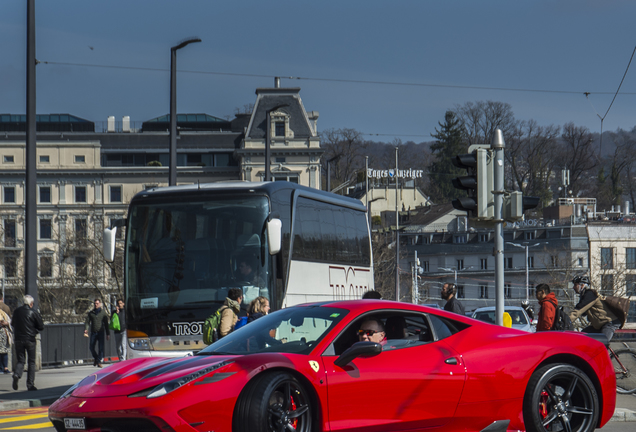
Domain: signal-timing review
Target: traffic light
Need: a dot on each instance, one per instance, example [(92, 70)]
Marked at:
[(515, 205), (479, 204)]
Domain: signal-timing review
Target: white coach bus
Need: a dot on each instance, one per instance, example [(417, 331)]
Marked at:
[(186, 246)]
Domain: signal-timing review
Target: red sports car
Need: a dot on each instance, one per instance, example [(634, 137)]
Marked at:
[(367, 365)]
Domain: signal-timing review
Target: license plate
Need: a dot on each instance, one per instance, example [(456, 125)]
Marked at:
[(74, 423)]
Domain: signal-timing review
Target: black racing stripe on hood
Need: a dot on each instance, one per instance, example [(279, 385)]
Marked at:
[(179, 364)]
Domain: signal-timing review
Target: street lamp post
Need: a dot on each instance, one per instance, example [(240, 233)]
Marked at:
[(526, 246), (451, 270), (173, 109)]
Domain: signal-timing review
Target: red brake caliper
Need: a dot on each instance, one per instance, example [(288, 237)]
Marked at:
[(294, 422), (543, 404)]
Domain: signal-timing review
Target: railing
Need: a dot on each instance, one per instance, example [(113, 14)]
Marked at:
[(66, 344)]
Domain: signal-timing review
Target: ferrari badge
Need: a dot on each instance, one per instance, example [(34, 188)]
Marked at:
[(314, 365)]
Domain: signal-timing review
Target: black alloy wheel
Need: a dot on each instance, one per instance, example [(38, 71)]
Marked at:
[(560, 397), (275, 402)]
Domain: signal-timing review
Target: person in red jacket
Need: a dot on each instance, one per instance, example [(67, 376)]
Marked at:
[(548, 303)]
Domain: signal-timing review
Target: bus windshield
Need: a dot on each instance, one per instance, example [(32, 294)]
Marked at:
[(182, 255)]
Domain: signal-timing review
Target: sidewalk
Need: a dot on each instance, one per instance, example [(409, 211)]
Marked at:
[(51, 383)]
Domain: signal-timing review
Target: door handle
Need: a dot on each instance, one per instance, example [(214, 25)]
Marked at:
[(451, 361)]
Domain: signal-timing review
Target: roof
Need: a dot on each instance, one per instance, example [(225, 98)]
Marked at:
[(430, 214), (285, 100)]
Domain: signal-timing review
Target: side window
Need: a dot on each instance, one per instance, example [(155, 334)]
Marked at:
[(402, 330), (444, 327)]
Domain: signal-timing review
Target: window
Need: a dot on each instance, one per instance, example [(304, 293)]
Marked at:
[(45, 229), (9, 194), (630, 285), (607, 258), (45, 159), (8, 159), (80, 229), (279, 128), (9, 233), (460, 291), (483, 238), (530, 262), (10, 266), (45, 194), (425, 266), (281, 159), (292, 178), (81, 269), (115, 194), (630, 258), (580, 262), (80, 194), (328, 233), (483, 291), (554, 260), (508, 262), (484, 263), (529, 235), (607, 284), (460, 239), (460, 264), (80, 159), (507, 291), (46, 266)]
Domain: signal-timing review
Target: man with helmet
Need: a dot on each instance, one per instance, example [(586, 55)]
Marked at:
[(601, 319), (449, 290)]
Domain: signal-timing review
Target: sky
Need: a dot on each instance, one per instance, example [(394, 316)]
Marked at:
[(389, 69)]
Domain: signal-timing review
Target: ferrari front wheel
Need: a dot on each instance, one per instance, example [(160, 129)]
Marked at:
[(276, 402), (560, 397)]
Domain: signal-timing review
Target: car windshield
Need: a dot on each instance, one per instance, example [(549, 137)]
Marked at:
[(292, 330), (517, 316)]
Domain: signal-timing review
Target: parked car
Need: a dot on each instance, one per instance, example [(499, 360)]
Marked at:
[(305, 369), (520, 319)]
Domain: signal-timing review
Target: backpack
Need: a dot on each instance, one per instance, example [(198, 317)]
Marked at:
[(211, 327), (562, 321), (619, 306), (114, 323)]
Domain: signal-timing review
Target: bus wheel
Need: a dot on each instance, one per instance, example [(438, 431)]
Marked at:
[(277, 402)]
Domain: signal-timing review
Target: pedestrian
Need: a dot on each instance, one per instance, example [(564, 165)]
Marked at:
[(372, 295), (601, 319), (548, 303), (121, 339), (97, 325), (6, 340), (27, 323), (449, 291), (258, 307), (230, 311), (4, 306)]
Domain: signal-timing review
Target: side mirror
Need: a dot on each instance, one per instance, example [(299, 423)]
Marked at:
[(274, 235), (358, 349), (109, 244)]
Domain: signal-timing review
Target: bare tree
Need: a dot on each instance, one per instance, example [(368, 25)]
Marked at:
[(481, 119), (345, 149), (578, 156)]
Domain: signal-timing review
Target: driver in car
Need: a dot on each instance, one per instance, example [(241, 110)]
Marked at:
[(372, 330), (247, 273)]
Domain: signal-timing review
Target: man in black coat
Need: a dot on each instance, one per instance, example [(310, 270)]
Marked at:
[(26, 324), (449, 291)]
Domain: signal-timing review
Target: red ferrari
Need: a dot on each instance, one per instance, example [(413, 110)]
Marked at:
[(367, 365)]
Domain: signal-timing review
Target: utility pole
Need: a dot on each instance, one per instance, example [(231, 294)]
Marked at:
[(497, 147), (397, 232)]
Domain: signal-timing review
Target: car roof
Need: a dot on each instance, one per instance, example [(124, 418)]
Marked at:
[(492, 308)]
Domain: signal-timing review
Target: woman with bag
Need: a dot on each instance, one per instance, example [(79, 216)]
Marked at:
[(6, 340)]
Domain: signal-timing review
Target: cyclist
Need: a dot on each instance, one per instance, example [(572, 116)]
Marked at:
[(602, 320)]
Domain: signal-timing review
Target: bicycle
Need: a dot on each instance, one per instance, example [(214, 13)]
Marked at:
[(624, 362)]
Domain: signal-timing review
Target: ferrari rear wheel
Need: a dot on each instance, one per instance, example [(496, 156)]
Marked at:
[(560, 397), (277, 402)]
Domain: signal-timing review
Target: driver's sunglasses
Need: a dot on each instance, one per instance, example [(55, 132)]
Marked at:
[(368, 332)]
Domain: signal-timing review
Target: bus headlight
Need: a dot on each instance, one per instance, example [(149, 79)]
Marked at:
[(142, 344)]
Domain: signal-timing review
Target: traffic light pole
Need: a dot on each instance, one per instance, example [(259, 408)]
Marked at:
[(498, 148)]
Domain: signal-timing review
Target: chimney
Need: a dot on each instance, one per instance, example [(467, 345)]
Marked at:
[(125, 124), (111, 124), (276, 82)]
